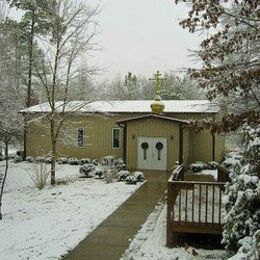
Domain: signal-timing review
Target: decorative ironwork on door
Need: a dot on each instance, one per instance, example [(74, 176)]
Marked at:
[(159, 147), (145, 147)]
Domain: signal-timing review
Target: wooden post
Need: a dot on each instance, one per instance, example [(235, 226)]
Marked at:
[(213, 146), (180, 144), (169, 239), (124, 142)]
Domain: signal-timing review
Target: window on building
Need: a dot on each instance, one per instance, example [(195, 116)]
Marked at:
[(80, 137), (116, 135)]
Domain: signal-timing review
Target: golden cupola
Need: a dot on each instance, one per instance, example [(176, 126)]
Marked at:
[(157, 105)]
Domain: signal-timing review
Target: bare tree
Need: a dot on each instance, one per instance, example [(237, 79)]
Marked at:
[(11, 124), (71, 39)]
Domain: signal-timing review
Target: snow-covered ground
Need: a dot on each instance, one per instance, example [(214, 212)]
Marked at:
[(149, 243), (47, 224)]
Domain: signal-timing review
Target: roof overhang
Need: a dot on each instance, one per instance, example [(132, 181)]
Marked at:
[(123, 122)]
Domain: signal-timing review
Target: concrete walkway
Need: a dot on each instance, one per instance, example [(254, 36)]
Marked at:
[(110, 239)]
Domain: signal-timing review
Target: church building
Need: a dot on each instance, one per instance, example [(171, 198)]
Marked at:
[(147, 134)]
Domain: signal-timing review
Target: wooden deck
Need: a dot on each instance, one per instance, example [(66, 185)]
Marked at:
[(194, 206)]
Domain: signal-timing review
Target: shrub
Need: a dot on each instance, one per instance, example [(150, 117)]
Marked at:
[(29, 159), (84, 161), (212, 165), (40, 175), (40, 159), (231, 159), (48, 160), (18, 159), (73, 161), (99, 172), (110, 175), (87, 169), (122, 175), (63, 160), (95, 162), (138, 175), (108, 160), (198, 166), (131, 180), (119, 164)]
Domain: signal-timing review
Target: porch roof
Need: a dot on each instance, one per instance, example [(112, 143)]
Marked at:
[(167, 118)]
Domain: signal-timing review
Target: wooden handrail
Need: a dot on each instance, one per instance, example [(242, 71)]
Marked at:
[(178, 173), (198, 182)]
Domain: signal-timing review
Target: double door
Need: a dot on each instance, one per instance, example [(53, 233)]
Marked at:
[(152, 153)]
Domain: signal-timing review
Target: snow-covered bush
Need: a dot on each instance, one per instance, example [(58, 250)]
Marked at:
[(99, 171), (40, 159), (87, 169), (212, 165), (119, 164), (63, 160), (138, 175), (95, 162), (18, 159), (1, 158), (198, 166), (73, 161), (230, 160), (29, 159), (131, 179), (48, 160), (242, 200), (84, 161), (39, 175), (122, 175), (108, 160), (249, 248), (110, 174)]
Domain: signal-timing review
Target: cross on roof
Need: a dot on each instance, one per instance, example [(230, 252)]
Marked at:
[(158, 80)]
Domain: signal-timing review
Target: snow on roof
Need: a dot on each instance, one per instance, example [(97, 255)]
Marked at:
[(128, 106)]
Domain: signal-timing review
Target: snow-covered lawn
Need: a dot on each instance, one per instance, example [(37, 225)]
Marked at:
[(46, 224), (149, 243)]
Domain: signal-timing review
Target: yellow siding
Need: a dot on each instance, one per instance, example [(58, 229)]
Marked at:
[(97, 137), (219, 147), (202, 146)]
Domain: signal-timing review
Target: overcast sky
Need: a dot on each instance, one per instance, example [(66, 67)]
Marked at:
[(142, 36)]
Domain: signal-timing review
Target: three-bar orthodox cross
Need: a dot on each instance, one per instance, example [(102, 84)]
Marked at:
[(158, 80)]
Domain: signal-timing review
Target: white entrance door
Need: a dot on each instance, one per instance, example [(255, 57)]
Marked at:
[(152, 153)]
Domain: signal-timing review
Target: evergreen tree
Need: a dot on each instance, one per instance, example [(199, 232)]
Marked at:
[(34, 22), (242, 201)]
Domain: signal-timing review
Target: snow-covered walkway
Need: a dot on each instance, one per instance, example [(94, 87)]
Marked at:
[(112, 237)]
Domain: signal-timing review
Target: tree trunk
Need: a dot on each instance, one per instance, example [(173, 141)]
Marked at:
[(53, 152), (4, 179), (30, 55), (29, 83)]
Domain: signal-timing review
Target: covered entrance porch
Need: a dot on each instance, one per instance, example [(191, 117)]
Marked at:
[(154, 142)]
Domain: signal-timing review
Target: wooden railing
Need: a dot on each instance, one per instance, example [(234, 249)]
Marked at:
[(194, 207)]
